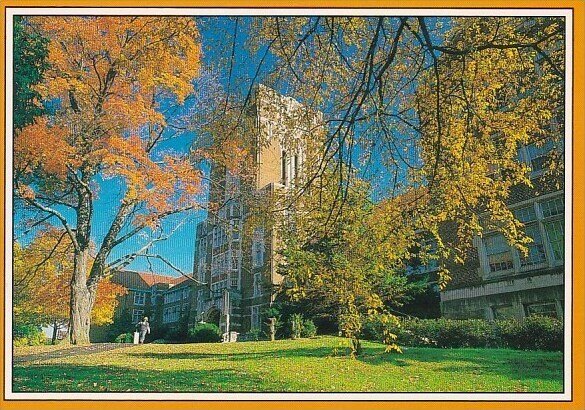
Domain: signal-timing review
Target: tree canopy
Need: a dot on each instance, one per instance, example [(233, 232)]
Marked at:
[(110, 81)]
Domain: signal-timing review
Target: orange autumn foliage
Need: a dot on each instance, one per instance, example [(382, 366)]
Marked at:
[(107, 77), (42, 278), (109, 81)]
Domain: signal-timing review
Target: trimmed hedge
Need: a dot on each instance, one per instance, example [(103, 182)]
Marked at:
[(532, 333), (204, 333)]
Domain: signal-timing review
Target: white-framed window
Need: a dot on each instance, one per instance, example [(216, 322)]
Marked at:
[(235, 210), (186, 292), (499, 253), (525, 214), (284, 168), (201, 270), (139, 298), (553, 207), (536, 253), (200, 301), (220, 263), (258, 248), (257, 284), (219, 236), (214, 236), (254, 317), (555, 232), (535, 155), (544, 223), (137, 315), (235, 229)]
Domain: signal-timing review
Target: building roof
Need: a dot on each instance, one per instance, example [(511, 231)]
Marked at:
[(143, 280), (180, 280), (151, 278)]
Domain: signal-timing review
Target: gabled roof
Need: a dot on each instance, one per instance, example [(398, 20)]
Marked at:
[(142, 280), (180, 280), (151, 278)]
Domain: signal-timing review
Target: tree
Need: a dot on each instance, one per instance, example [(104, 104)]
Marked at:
[(112, 80), (30, 55), (42, 277), (431, 111), (416, 102), (350, 266)]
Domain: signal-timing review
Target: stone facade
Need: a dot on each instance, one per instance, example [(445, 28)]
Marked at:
[(235, 257), (497, 281), (153, 295)]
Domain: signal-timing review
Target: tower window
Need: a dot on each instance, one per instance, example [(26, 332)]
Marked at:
[(283, 168)]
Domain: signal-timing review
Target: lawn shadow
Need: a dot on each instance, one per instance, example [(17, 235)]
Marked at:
[(512, 364), (78, 378), (289, 353)]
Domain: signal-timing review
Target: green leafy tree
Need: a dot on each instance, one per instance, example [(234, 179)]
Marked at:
[(30, 62), (350, 264)]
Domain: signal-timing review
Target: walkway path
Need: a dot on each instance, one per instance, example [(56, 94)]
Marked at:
[(68, 352)]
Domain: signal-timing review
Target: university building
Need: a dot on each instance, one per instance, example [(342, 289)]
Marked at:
[(236, 258), (235, 253), (497, 281), (235, 264)]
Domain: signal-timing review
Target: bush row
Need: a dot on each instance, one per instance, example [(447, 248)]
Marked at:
[(199, 333), (532, 333)]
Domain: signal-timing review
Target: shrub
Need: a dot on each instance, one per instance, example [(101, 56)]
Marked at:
[(176, 335), (309, 329), (28, 335), (122, 324), (296, 325), (204, 333), (372, 330), (533, 333), (466, 333), (158, 331), (253, 335), (124, 338)]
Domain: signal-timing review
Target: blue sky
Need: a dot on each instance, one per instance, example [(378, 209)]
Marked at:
[(179, 248), (216, 37)]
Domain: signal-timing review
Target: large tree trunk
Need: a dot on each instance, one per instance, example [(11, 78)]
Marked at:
[(81, 301)]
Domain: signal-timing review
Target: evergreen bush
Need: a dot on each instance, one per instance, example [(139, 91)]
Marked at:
[(532, 333), (204, 333)]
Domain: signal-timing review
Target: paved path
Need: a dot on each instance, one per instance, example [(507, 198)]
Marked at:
[(68, 352)]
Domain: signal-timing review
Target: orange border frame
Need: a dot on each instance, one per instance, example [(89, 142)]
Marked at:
[(578, 342)]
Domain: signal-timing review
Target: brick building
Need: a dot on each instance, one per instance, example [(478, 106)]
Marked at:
[(235, 256), (162, 298), (497, 281)]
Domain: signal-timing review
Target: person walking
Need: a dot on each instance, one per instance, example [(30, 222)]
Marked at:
[(143, 328)]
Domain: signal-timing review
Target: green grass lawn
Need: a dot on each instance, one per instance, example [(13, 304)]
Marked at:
[(306, 365)]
